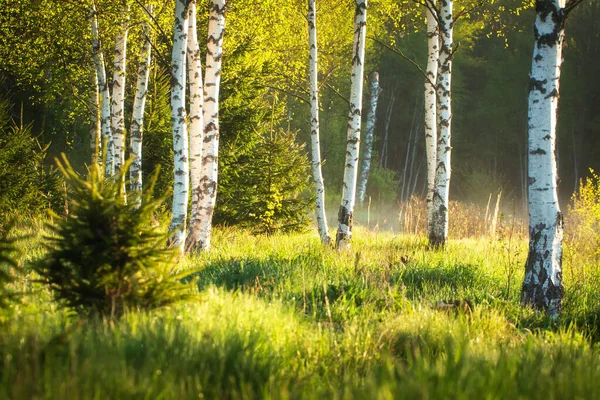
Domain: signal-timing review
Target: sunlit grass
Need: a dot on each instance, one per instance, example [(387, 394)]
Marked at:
[(282, 317)]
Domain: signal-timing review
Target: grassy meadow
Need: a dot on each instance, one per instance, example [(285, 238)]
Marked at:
[(282, 317)]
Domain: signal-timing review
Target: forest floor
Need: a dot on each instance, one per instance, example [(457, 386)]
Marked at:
[(282, 317)]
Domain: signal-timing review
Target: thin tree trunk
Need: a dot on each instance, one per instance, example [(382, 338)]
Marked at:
[(345, 215), (210, 147), (431, 110), (408, 154), (139, 105), (542, 287), (384, 147), (439, 233), (118, 99), (95, 125), (314, 125), (196, 90), (413, 156), (98, 56), (368, 149), (178, 120)]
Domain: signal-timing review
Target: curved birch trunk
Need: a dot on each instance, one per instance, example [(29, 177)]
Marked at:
[(431, 111), (542, 286), (98, 56), (178, 121), (314, 125), (196, 91), (370, 129), (345, 215), (118, 88), (439, 217), (210, 147), (139, 105)]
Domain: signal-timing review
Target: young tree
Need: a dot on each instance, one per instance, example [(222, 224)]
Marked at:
[(139, 105), (431, 108), (345, 215), (542, 287), (210, 148), (98, 56), (440, 197), (196, 123), (95, 124), (314, 124), (371, 118), (118, 88), (178, 121)]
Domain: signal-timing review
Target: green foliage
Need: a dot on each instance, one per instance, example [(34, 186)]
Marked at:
[(107, 256), (265, 190), (382, 184), (27, 186), (7, 263)]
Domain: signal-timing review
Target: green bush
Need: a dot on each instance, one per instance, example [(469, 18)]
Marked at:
[(107, 256), (27, 186), (7, 262), (265, 190), (382, 184)]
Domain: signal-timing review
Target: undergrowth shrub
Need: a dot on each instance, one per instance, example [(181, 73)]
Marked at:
[(582, 231), (7, 266), (107, 256)]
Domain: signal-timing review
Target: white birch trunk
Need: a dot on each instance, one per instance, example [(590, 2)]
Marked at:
[(210, 147), (178, 120), (345, 215), (95, 125), (431, 109), (441, 190), (118, 88), (196, 123), (314, 125), (98, 56), (542, 286), (139, 105), (370, 129)]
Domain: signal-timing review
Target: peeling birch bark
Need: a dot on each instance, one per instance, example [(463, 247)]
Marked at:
[(369, 132), (346, 212), (139, 105), (196, 91), (441, 191), (178, 121), (314, 125), (98, 56), (431, 110), (542, 287), (210, 147)]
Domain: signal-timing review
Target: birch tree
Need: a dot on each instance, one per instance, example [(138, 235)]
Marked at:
[(542, 287), (210, 147), (98, 56), (118, 88), (196, 123), (95, 125), (314, 125), (441, 190), (370, 129), (345, 215), (179, 124), (139, 105), (431, 108)]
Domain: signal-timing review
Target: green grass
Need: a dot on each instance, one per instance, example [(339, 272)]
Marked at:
[(282, 317)]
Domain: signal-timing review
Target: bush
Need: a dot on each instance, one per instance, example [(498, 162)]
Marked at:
[(7, 262), (27, 186), (107, 256), (382, 184), (265, 190), (583, 228)]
